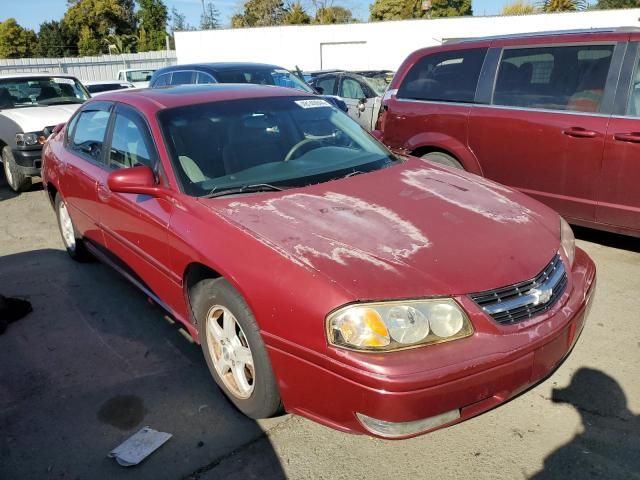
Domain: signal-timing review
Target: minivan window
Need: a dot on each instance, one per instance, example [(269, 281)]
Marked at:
[(450, 76), (633, 108), (553, 78)]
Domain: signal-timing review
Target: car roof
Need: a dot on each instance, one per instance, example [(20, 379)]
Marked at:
[(217, 66), (36, 75), (583, 31), (155, 99), (105, 82)]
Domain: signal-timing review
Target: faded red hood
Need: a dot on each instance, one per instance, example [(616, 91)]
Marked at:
[(410, 230)]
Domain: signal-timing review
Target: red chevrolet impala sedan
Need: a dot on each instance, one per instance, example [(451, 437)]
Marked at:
[(320, 273)]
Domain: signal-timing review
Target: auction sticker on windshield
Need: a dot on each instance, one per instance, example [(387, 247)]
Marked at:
[(315, 103)]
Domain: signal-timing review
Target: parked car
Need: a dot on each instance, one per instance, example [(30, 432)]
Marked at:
[(30, 106), (555, 116), (257, 73), (138, 76), (308, 76), (362, 93), (319, 271), (98, 87)]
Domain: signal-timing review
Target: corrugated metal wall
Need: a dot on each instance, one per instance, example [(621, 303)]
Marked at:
[(104, 67)]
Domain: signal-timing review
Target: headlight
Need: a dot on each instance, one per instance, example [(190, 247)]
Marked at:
[(567, 240), (30, 139), (397, 325)]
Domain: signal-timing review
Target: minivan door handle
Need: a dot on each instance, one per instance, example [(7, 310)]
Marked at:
[(579, 132), (633, 137)]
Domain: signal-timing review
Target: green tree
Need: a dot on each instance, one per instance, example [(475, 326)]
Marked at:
[(395, 9), (334, 14), (178, 22), (152, 16), (16, 41), (88, 43), (613, 4), (91, 21), (563, 5), (260, 13), (297, 15), (54, 41), (210, 19), (518, 7), (449, 8)]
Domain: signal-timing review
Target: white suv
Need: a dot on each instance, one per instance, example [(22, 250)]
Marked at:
[(31, 105)]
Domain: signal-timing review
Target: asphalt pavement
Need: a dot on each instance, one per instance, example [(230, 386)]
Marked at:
[(95, 362)]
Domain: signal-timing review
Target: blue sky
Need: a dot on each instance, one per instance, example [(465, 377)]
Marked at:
[(31, 13)]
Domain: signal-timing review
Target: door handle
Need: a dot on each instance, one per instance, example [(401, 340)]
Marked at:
[(103, 193), (633, 137), (579, 132)]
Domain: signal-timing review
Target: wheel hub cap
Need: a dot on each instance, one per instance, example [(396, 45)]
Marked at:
[(230, 352)]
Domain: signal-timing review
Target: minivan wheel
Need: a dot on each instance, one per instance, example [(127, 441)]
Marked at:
[(233, 348), (18, 181), (443, 159), (73, 243)]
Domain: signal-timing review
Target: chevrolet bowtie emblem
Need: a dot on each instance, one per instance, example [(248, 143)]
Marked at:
[(540, 296)]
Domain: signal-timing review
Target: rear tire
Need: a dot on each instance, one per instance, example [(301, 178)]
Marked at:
[(18, 181), (73, 242), (443, 159), (233, 348)]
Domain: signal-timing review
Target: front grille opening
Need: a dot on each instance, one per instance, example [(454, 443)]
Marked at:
[(519, 302)]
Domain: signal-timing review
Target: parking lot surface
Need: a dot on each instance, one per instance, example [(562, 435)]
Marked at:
[(95, 362)]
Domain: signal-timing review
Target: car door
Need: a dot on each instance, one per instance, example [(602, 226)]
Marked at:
[(543, 132), (135, 226), (84, 167), (355, 96), (619, 192)]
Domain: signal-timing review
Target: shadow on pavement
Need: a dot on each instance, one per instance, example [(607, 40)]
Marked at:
[(5, 191), (608, 239), (608, 446), (91, 365)]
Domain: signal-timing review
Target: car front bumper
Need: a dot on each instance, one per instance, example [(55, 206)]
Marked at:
[(333, 393), (29, 161)]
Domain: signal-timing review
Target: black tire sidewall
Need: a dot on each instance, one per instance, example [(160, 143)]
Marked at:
[(443, 159), (20, 181), (264, 401)]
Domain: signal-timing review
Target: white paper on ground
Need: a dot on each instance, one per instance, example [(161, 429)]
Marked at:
[(139, 446)]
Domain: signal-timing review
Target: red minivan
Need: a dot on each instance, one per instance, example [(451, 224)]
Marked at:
[(556, 116)]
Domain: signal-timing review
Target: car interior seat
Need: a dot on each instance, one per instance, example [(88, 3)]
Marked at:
[(6, 99), (47, 92), (588, 94)]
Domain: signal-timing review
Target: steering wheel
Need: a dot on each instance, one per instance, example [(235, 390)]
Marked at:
[(299, 145)]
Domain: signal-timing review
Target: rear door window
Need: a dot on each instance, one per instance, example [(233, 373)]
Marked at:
[(327, 84), (204, 78), (184, 77), (633, 108), (450, 76), (554, 78)]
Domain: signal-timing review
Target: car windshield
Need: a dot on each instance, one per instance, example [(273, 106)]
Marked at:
[(273, 143), (379, 83), (139, 75), (263, 76), (40, 91)]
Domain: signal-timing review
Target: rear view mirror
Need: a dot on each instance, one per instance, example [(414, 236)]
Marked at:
[(320, 90)]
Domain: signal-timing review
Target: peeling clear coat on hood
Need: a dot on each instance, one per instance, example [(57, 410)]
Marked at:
[(411, 230)]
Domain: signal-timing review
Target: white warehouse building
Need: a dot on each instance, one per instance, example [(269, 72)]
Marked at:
[(376, 45)]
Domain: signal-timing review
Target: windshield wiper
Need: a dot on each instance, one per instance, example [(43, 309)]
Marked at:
[(65, 101), (259, 187)]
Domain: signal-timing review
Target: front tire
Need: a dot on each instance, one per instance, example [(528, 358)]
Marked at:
[(443, 159), (18, 181), (233, 348), (73, 243)]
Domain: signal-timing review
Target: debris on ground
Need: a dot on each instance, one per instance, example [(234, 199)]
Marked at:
[(139, 446)]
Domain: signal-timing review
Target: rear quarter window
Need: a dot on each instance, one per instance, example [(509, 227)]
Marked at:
[(450, 76)]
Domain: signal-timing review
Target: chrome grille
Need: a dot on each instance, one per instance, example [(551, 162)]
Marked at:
[(515, 303)]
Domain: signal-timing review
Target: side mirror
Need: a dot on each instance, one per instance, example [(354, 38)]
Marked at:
[(320, 90), (139, 180), (362, 104)]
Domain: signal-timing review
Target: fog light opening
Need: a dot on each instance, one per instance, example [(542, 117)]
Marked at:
[(387, 429)]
